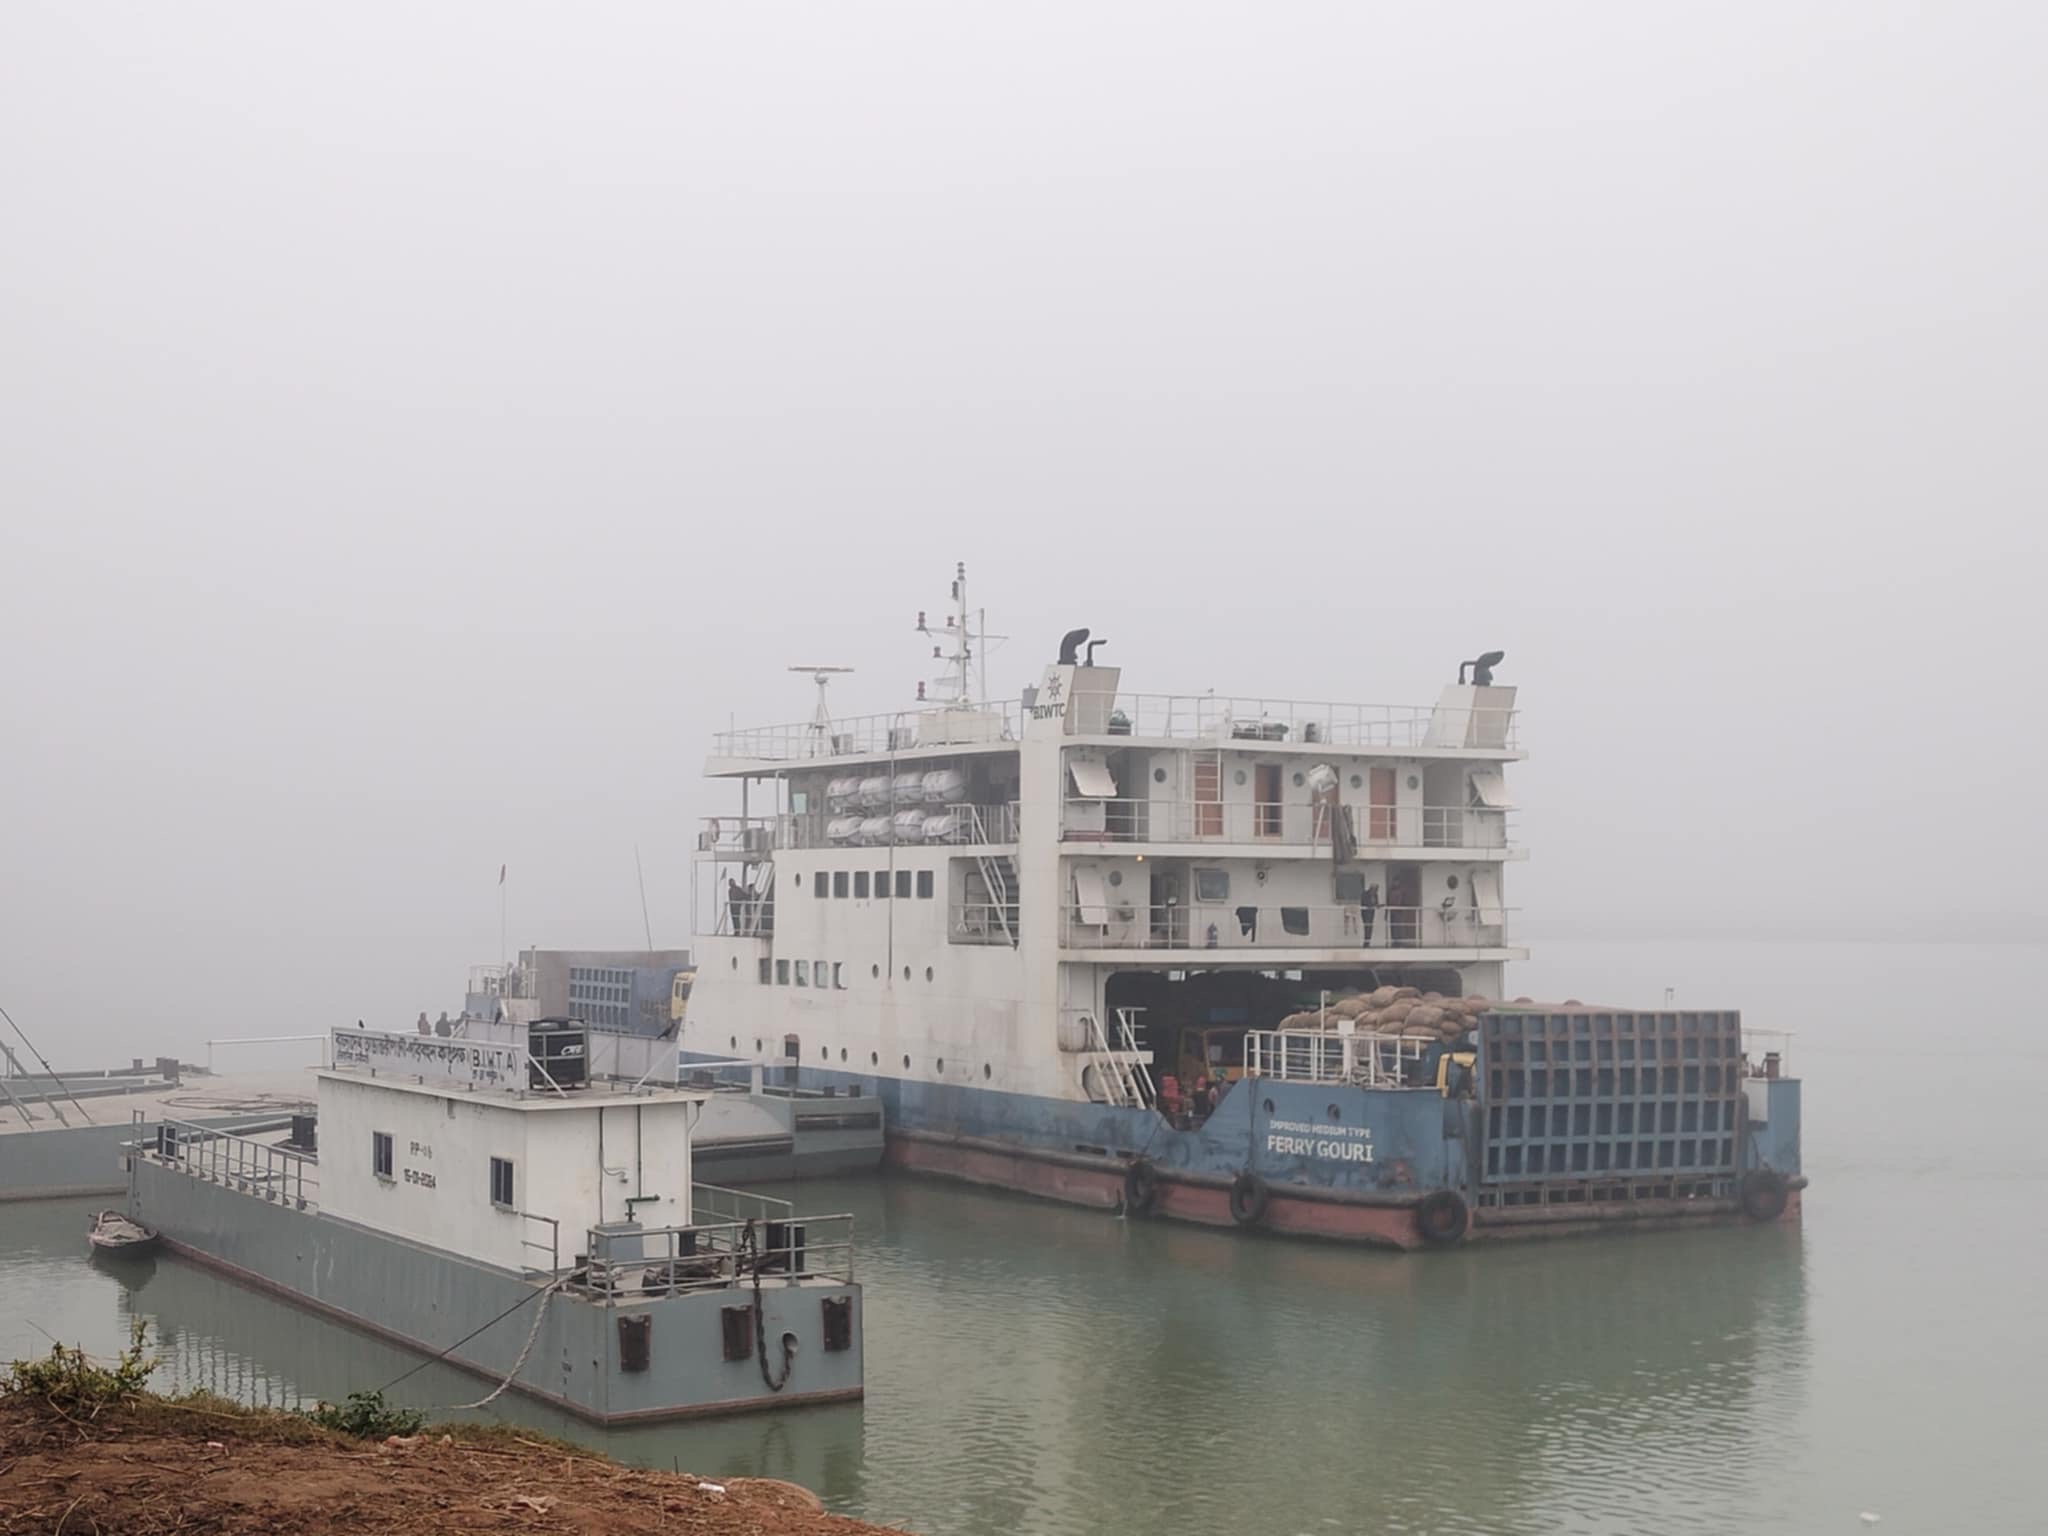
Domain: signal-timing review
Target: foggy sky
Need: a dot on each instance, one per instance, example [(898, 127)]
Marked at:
[(421, 426)]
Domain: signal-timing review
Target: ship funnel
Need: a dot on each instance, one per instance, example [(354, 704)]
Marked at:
[(1070, 647), (1482, 668)]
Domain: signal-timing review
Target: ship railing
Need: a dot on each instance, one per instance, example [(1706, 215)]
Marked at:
[(901, 732), (1298, 823), (1329, 1056), (1215, 718), (265, 1169), (718, 1203), (748, 839), (718, 1255), (983, 922), (541, 1235), (1766, 1052), (1277, 926)]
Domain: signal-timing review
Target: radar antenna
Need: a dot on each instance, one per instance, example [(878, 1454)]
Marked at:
[(820, 742)]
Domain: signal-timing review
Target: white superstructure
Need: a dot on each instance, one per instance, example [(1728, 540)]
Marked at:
[(1039, 897)]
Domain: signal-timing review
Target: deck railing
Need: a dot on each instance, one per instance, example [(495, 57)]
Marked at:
[(719, 1255), (1299, 823), (1326, 1056), (1212, 717), (1273, 926), (904, 731), (265, 1169)]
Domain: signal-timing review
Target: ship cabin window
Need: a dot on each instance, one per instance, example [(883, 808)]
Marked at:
[(817, 973), (803, 973), (882, 884), (501, 1182), (380, 1154), (766, 965), (839, 883), (1212, 885), (924, 885), (782, 973), (903, 885), (839, 975), (818, 884), (860, 885)]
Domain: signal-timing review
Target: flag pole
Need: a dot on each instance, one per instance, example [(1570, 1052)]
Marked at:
[(504, 955)]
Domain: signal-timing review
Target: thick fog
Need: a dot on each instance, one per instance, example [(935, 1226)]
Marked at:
[(421, 427)]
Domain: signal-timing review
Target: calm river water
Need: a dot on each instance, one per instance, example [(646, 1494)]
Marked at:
[(1034, 1369)]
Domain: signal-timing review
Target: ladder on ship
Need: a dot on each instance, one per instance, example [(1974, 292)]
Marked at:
[(999, 875), (1122, 1076)]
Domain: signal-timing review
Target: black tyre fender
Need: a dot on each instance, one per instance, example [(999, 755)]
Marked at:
[(1442, 1217), (1141, 1187), (1764, 1194), (1248, 1199)]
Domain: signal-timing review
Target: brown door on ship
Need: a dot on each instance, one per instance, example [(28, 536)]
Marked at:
[(1404, 901), (1381, 800), (1266, 800)]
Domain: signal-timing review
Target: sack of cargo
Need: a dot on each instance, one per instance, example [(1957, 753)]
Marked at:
[(1298, 1021), (1348, 1007), (1478, 1002), (1418, 1031), (1405, 993), (1397, 1012), (1381, 996), (1426, 1013)]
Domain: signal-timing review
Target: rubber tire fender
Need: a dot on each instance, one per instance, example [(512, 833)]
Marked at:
[(1442, 1217), (1249, 1197), (1141, 1187), (1764, 1194)]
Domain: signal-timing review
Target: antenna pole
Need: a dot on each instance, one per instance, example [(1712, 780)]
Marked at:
[(645, 922)]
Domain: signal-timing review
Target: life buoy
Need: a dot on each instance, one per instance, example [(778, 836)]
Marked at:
[(1442, 1217), (1248, 1198), (1141, 1188), (1763, 1194)]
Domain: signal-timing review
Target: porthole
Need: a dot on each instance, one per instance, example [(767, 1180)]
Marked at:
[(842, 1053), (1269, 1106), (986, 1070), (1414, 782), (1336, 1113), (735, 962), (1357, 782), (874, 970), (1116, 877), (906, 973), (733, 1041), (1238, 777), (1158, 775), (927, 973), (942, 1064), (824, 1053), (874, 1058), (906, 1063), (757, 1045), (1299, 781), (1452, 882)]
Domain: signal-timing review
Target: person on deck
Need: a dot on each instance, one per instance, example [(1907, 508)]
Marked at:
[(423, 1026), (1368, 909)]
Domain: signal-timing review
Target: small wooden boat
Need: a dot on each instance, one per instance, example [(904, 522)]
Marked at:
[(113, 1233)]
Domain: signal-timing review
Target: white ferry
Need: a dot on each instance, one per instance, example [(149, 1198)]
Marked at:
[(1231, 960)]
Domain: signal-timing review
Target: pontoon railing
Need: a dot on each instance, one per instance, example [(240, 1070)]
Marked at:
[(722, 1255), (265, 1169)]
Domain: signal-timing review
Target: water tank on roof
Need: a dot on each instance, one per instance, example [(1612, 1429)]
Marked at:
[(908, 788), (560, 1052), (842, 829), (945, 786), (842, 794), (874, 830), (874, 793)]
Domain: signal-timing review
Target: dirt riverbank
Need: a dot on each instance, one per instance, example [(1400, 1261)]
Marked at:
[(208, 1469)]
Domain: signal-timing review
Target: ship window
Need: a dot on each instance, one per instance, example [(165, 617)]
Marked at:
[(803, 973), (782, 973), (501, 1182), (839, 975), (860, 885), (927, 973), (1490, 790), (817, 973), (1356, 781), (839, 883), (818, 885), (1212, 885), (874, 1058), (903, 885), (380, 1154), (882, 884), (924, 885), (765, 964)]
